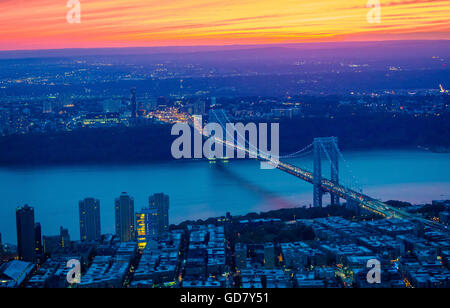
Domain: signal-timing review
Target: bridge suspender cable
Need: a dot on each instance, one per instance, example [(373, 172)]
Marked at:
[(291, 155), (364, 201)]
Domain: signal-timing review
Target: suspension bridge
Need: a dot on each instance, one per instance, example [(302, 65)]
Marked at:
[(322, 149)]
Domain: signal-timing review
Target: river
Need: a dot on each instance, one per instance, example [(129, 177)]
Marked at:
[(200, 189)]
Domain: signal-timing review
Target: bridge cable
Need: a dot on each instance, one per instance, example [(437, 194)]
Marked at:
[(291, 155)]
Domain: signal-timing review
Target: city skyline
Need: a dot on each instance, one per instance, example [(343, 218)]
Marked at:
[(150, 223), (342, 246)]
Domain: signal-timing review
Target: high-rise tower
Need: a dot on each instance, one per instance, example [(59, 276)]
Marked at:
[(90, 229), (146, 226), (133, 103), (124, 208), (160, 203), (25, 233), (38, 239)]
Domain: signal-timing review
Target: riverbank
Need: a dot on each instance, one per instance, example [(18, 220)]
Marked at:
[(122, 145)]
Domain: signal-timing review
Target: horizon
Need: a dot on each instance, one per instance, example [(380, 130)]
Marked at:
[(235, 47), (231, 45)]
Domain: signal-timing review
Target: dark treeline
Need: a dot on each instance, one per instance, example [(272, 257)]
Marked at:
[(369, 131), (273, 231), (106, 145), (153, 143)]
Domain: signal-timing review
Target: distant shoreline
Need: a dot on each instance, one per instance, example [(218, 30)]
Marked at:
[(136, 50), (170, 160), (152, 144)]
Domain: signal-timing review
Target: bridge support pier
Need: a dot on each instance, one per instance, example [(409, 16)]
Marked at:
[(334, 172), (317, 188), (327, 147)]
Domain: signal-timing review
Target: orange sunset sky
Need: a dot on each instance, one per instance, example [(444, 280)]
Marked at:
[(42, 24)]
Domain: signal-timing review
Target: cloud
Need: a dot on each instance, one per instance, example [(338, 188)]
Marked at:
[(42, 23)]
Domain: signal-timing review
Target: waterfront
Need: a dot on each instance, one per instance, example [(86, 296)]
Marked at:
[(200, 189)]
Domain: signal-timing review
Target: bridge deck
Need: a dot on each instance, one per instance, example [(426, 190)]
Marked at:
[(364, 201)]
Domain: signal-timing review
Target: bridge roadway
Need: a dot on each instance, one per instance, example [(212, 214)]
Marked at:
[(364, 201)]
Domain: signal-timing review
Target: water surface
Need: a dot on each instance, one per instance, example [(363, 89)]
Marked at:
[(200, 189)]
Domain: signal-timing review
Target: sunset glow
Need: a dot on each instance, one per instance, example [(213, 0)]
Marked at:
[(41, 24)]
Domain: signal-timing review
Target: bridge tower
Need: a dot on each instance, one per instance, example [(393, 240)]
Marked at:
[(325, 147)]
